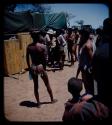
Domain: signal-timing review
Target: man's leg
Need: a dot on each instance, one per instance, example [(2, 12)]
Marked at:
[(75, 52), (88, 83), (68, 54), (72, 57), (62, 60), (35, 80), (78, 71), (44, 76), (52, 57)]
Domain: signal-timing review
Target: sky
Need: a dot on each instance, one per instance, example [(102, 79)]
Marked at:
[(92, 14)]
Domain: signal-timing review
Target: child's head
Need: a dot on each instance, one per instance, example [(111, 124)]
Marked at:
[(74, 86)]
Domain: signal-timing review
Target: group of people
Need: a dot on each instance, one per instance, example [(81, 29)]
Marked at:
[(60, 44), (49, 49), (94, 63), (91, 50)]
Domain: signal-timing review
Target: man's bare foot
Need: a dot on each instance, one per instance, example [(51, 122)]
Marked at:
[(54, 101)]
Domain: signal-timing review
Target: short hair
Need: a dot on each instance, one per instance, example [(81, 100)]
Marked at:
[(74, 85), (107, 25), (35, 34), (99, 31)]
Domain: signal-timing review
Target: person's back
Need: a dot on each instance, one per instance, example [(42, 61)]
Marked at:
[(87, 52), (38, 53), (84, 60)]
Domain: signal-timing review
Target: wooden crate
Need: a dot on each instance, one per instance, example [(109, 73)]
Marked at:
[(15, 53), (24, 39), (12, 56)]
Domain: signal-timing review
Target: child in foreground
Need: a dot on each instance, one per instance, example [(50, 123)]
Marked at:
[(83, 108)]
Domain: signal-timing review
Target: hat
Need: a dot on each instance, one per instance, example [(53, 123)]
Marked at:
[(50, 31), (74, 85), (54, 32)]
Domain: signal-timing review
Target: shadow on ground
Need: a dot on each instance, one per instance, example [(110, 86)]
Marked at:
[(32, 104)]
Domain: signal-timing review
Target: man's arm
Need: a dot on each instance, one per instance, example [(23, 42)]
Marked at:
[(63, 39), (90, 52), (78, 71), (48, 40), (28, 58), (45, 53)]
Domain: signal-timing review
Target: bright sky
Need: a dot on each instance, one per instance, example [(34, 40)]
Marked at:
[(92, 14)]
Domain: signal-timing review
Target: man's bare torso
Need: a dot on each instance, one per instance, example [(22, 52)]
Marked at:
[(37, 53)]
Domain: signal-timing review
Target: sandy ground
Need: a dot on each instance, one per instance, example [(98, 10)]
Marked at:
[(19, 100)]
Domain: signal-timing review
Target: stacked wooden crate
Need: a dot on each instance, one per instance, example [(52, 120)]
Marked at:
[(24, 39), (12, 56), (15, 53)]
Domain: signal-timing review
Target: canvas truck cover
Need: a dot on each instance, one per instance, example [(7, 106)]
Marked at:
[(20, 22), (17, 22), (56, 21), (53, 20)]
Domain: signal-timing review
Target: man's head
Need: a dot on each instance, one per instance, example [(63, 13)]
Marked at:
[(107, 26), (74, 86), (99, 31), (35, 34)]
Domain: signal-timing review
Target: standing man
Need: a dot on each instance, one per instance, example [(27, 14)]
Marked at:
[(85, 61), (102, 62), (38, 53)]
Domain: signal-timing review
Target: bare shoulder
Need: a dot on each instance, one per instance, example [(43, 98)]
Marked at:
[(41, 45), (87, 97)]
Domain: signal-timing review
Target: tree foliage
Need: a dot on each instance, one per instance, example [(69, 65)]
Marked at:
[(10, 7), (80, 22), (41, 8), (69, 16), (28, 7)]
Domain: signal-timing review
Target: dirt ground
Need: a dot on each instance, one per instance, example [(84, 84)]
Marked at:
[(20, 103)]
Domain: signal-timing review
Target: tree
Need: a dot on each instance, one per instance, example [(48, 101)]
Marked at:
[(28, 7), (10, 7), (41, 8), (80, 22), (69, 16)]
